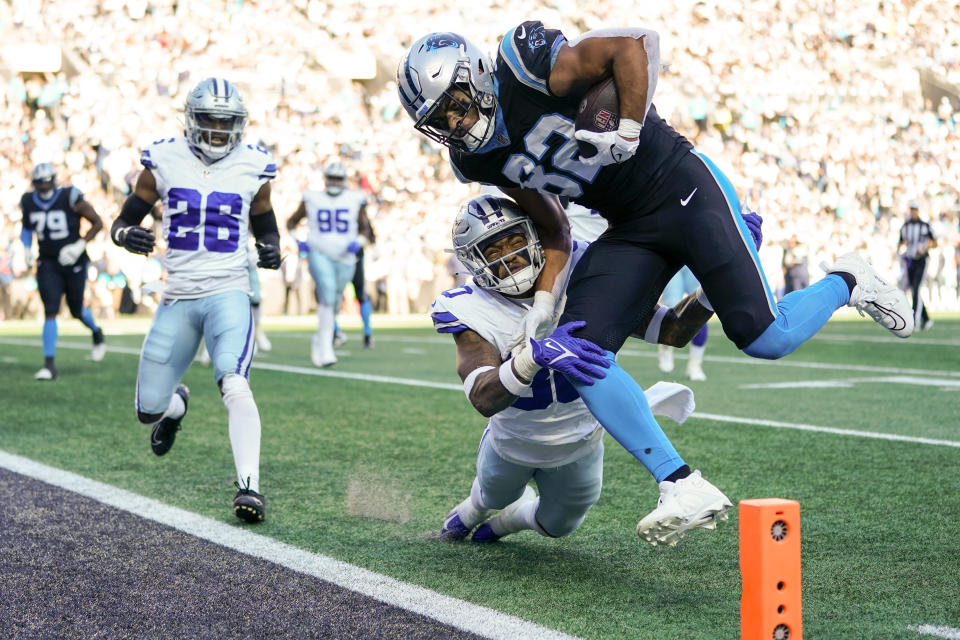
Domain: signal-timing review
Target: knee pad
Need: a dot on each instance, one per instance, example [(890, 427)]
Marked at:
[(234, 387), (148, 418)]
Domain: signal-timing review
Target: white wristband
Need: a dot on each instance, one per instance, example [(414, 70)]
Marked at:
[(629, 129), (471, 379), (702, 299), (652, 334), (510, 381)]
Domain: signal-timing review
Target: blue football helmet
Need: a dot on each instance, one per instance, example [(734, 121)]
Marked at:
[(437, 64), (484, 220), (215, 117)]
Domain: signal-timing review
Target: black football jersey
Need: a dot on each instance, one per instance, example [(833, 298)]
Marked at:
[(533, 146), (54, 221)]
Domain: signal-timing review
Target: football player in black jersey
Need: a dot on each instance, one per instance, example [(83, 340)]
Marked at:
[(54, 213), (511, 124)]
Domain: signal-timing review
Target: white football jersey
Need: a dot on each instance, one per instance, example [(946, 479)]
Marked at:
[(549, 425), (332, 221), (206, 214)]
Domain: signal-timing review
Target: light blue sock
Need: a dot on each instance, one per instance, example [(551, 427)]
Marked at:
[(801, 314), (619, 404), (365, 310), (49, 337), (87, 318)]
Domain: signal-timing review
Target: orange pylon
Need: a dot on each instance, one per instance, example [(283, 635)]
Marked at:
[(770, 568)]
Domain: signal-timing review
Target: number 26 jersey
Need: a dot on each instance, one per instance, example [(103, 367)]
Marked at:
[(206, 214)]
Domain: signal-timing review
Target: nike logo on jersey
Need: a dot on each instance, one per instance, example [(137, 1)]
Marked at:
[(684, 201), (523, 32), (554, 351)]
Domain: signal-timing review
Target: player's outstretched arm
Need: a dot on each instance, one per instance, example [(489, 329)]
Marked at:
[(478, 363), (553, 229), (126, 231)]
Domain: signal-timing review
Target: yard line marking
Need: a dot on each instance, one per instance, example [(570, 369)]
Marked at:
[(940, 632), (946, 385), (738, 360), (887, 340), (834, 430), (459, 388), (457, 613)]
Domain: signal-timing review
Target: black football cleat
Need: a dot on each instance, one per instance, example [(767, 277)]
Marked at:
[(248, 505), (165, 431)]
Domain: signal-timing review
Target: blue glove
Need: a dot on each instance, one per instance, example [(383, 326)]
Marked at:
[(571, 356), (754, 221), (354, 247)]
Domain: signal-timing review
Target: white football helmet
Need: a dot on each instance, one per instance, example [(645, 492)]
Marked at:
[(44, 179), (485, 219), (436, 64), (335, 177), (215, 117)]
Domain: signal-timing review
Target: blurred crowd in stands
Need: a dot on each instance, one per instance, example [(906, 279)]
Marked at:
[(828, 116)]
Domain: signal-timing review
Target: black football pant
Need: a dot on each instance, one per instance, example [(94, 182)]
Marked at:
[(916, 267), (54, 280), (618, 281)]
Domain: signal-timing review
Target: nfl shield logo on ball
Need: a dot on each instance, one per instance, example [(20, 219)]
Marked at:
[(606, 121)]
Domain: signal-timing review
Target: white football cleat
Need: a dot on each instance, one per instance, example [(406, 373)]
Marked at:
[(665, 358), (688, 503), (886, 304), (321, 354), (45, 374), (99, 349), (695, 371), (263, 342), (339, 339)]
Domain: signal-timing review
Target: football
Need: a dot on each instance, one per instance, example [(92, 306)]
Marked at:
[(599, 111)]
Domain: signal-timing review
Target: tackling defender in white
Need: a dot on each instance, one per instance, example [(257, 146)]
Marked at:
[(213, 190), (539, 427)]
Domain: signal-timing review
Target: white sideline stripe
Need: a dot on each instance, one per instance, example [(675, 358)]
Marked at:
[(456, 613), (887, 340), (842, 432), (459, 388), (738, 360), (940, 632)]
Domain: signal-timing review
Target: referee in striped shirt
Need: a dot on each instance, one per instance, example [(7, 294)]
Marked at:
[(918, 238)]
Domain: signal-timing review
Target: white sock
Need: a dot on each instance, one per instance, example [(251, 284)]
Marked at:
[(244, 420), (176, 408), (472, 511), (696, 353), (523, 518), (325, 320)]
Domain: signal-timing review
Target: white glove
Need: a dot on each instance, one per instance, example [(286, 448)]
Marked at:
[(69, 253), (612, 148), (539, 320), (28, 259)]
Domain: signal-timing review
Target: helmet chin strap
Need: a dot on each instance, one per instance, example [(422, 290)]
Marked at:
[(479, 133), (46, 194)]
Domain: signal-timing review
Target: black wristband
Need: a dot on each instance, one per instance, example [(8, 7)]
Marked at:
[(134, 210), (264, 226)]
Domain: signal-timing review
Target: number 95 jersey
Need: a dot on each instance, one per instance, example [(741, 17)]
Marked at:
[(333, 222), (206, 214)]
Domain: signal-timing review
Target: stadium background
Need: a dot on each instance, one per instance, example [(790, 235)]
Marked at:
[(828, 117)]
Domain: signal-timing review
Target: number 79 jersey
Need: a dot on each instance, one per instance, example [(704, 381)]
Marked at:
[(206, 214)]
